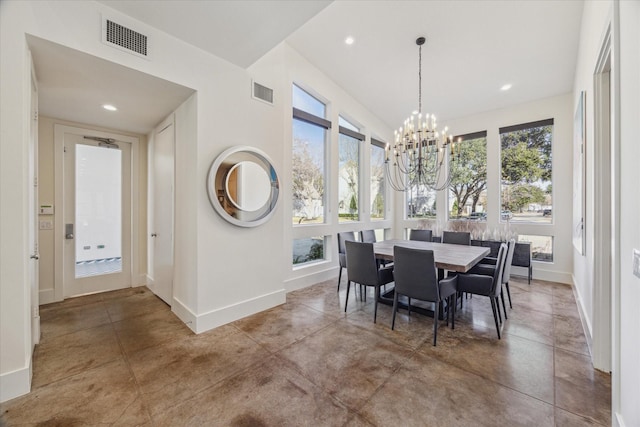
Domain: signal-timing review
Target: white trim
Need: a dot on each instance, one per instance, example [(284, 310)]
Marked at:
[(15, 383), (59, 131), (584, 319), (604, 203), (184, 313), (618, 421), (47, 296), (299, 282), (230, 313)]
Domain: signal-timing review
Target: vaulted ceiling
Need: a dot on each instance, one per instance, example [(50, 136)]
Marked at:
[(473, 48)]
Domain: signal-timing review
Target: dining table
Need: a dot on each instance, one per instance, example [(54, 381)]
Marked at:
[(449, 257)]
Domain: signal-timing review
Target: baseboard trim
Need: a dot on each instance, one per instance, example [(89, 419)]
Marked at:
[(542, 274), (184, 313), (584, 319), (312, 278), (230, 313), (46, 296), (16, 383), (618, 421)]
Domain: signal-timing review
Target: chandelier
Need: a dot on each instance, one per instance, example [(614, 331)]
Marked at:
[(417, 159)]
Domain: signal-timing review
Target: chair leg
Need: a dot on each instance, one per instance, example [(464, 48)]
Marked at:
[(453, 315), (509, 295), (435, 323), (504, 306), (498, 307), (339, 278), (530, 273), (395, 309), (375, 303), (495, 317), (448, 310), (408, 306), (346, 300)]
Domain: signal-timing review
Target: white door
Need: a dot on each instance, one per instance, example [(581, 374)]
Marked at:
[(33, 215), (161, 182), (97, 213)]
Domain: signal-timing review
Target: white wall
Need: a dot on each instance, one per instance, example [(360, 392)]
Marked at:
[(626, 383), (624, 18), (595, 16), (558, 108), (210, 271)]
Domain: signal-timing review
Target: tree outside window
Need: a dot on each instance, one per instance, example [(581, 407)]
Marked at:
[(526, 175), (468, 188)]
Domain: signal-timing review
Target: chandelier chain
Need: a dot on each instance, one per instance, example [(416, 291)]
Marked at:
[(420, 79)]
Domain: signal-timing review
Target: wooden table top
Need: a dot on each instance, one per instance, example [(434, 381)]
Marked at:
[(450, 257)]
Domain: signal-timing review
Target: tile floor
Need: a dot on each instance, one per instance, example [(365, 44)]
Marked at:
[(122, 358)]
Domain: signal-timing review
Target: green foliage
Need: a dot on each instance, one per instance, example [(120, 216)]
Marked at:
[(538, 140), (353, 205), (316, 251), (521, 164), (516, 197), (469, 174)]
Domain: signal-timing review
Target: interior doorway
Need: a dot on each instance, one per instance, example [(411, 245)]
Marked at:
[(604, 210)]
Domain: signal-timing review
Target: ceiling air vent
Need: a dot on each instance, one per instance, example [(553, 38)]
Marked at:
[(262, 93), (124, 38)]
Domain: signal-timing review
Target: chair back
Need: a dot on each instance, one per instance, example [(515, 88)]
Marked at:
[(456, 237), (368, 236), (414, 273), (497, 275), (421, 235), (342, 238), (506, 274), (361, 263)]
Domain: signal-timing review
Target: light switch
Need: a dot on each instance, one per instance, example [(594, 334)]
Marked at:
[(46, 224), (46, 209), (636, 262)]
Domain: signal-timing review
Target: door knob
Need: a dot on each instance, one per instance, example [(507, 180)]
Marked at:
[(154, 235), (35, 256), (68, 231)]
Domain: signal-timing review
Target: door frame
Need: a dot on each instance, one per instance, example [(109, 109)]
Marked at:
[(59, 132)]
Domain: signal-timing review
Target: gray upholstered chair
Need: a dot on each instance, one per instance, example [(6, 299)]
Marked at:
[(489, 286), (489, 270), (421, 235), (362, 269), (342, 257), (415, 277), (368, 236), (456, 237)]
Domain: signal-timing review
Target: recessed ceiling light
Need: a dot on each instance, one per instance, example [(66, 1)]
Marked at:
[(109, 107), (506, 87), (349, 40)]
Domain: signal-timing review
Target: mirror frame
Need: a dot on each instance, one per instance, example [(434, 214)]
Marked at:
[(217, 186)]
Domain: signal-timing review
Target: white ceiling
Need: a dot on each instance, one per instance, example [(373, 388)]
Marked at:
[(472, 49), (73, 86)]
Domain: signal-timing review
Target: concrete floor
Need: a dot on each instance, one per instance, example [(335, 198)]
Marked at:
[(122, 358)]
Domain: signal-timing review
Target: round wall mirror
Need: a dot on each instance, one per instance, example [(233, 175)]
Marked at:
[(243, 186)]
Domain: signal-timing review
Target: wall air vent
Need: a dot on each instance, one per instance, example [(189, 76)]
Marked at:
[(262, 93), (124, 38)]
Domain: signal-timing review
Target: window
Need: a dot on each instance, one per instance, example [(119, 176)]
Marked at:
[(309, 249), (348, 171), (541, 247), (308, 158), (421, 202), (526, 187), (378, 202), (307, 103), (468, 188)]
